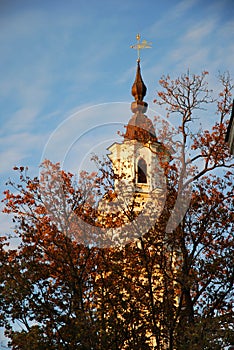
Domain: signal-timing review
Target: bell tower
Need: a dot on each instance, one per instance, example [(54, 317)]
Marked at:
[(136, 160), (139, 188)]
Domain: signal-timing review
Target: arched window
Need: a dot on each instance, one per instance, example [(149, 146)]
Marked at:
[(142, 171)]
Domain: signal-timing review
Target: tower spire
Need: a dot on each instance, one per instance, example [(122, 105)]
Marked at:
[(138, 92), (139, 89), (139, 126)]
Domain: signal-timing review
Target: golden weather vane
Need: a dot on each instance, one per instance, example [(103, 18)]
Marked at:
[(140, 45)]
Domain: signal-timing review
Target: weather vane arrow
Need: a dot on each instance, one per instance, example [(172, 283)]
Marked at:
[(141, 45)]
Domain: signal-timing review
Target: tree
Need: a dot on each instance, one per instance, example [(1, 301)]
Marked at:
[(205, 235), (48, 281), (171, 288)]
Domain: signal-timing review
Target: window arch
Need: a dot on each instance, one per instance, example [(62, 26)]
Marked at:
[(142, 171)]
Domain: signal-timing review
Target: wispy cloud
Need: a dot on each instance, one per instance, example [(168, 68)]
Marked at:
[(23, 119), (16, 147), (174, 12), (200, 31), (182, 7)]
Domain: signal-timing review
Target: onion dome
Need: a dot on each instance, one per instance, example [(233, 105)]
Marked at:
[(139, 127), (138, 92)]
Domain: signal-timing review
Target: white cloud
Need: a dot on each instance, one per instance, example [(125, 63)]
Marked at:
[(174, 12), (16, 147), (11, 157), (182, 7), (200, 31), (21, 120)]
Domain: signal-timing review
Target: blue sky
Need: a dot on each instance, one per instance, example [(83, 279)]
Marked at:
[(67, 68)]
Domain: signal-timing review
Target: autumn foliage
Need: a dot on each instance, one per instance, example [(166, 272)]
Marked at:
[(172, 288)]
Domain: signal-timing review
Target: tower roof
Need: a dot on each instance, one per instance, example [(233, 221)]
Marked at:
[(139, 127)]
